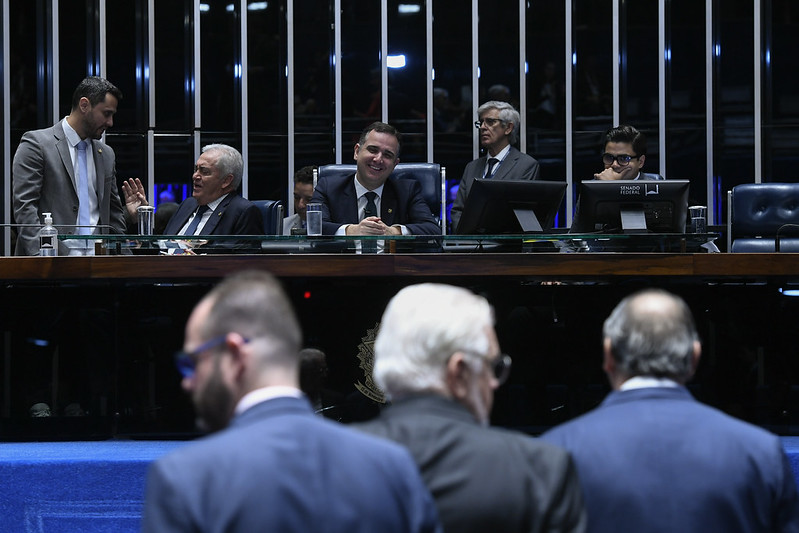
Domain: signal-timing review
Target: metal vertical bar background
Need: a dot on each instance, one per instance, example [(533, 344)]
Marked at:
[(522, 75), (758, 83), (337, 73), (475, 78), (290, 89), (6, 133), (429, 78), (570, 60), (243, 76), (710, 52), (662, 88), (616, 65)]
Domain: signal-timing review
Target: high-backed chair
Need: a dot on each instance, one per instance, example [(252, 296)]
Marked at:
[(432, 178), (272, 213), (763, 217)]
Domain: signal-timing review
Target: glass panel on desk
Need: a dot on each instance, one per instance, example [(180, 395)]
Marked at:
[(349, 244)]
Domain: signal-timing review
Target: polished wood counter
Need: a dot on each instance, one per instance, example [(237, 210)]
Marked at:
[(530, 265), (123, 317)]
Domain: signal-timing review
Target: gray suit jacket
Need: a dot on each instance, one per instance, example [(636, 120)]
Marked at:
[(516, 166), (44, 182), (484, 479)]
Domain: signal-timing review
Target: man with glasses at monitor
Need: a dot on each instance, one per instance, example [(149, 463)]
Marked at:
[(499, 125), (624, 155), (440, 370)]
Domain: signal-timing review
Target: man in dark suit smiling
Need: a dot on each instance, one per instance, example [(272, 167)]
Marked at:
[(368, 202)]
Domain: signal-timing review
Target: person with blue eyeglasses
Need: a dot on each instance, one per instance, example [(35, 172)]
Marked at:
[(624, 155), (271, 463)]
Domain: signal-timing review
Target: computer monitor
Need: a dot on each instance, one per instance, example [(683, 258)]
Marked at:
[(495, 207), (631, 206)]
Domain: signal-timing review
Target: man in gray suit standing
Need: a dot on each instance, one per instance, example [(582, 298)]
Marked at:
[(499, 126), (49, 163)]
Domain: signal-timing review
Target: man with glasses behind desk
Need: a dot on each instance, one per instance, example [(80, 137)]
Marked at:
[(499, 125), (624, 155)]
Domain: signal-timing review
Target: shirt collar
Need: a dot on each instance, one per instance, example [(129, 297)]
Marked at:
[(72, 136), (257, 396), (360, 190), (502, 154), (213, 205), (642, 382)]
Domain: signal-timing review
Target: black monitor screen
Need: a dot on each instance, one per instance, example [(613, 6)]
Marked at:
[(494, 207), (631, 206)]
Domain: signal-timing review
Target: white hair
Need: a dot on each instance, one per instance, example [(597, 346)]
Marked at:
[(421, 328)]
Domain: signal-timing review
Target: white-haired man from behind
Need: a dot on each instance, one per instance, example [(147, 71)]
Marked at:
[(440, 371)]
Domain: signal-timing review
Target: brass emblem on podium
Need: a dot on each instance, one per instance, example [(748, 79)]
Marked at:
[(366, 355)]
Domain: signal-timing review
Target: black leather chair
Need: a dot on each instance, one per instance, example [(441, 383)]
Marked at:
[(272, 213), (431, 176), (763, 217)]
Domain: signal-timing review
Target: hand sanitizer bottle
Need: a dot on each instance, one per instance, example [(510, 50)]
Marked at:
[(48, 237)]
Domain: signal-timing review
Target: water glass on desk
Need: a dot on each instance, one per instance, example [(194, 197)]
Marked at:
[(698, 218), (313, 219), (146, 219)]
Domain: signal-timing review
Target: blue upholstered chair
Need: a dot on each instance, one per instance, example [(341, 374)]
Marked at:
[(431, 176), (763, 217), (272, 213)]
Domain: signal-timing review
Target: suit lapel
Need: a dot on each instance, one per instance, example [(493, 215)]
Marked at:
[(506, 165), (216, 216), (349, 201), (99, 175), (179, 219), (63, 148), (388, 203)]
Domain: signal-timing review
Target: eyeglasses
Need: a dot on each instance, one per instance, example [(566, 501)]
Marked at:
[(187, 361), (490, 122), (500, 367), (622, 159)]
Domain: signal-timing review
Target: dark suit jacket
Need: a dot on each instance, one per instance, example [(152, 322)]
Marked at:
[(44, 182), (279, 467), (400, 203), (484, 479), (656, 460), (516, 166), (233, 216)]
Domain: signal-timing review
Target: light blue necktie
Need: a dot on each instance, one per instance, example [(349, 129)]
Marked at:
[(84, 208)]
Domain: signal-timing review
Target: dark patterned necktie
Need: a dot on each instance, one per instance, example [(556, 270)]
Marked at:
[(491, 162), (196, 220), (369, 247)]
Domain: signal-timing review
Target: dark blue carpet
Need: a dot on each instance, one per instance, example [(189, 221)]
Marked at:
[(90, 487), (75, 486)]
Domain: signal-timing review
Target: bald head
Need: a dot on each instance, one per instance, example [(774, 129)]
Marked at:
[(651, 333)]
